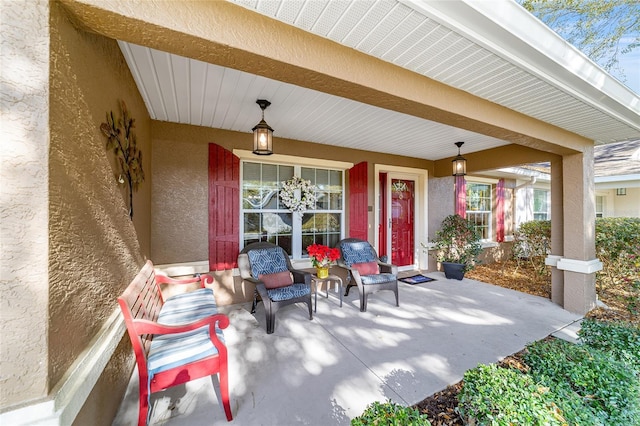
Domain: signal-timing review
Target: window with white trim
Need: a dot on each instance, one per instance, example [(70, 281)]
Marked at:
[(600, 204), (479, 207), (541, 210), (266, 218)]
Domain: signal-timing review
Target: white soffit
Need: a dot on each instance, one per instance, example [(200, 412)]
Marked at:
[(181, 90), (493, 49)]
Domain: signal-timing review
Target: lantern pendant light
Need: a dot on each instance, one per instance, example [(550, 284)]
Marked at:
[(459, 162), (262, 133)]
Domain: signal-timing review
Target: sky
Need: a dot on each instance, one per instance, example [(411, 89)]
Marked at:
[(627, 71), (630, 63)]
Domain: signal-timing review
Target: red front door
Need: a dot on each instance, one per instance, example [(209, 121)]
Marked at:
[(402, 222)]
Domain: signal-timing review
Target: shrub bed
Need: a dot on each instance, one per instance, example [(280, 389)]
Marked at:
[(390, 414), (596, 382), (493, 395), (617, 242)]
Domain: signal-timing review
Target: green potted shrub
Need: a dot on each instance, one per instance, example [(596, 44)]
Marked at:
[(456, 246)]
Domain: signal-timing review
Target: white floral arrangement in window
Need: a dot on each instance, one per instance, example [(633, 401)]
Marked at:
[(307, 199)]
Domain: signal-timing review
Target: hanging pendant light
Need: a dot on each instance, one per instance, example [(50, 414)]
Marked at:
[(459, 162), (262, 133)]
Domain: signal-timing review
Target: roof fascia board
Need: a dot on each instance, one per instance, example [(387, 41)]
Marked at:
[(521, 171), (617, 178), (508, 30)]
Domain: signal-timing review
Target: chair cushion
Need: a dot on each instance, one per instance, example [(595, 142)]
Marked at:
[(276, 280), (172, 350), (267, 261), (377, 279), (289, 292), (358, 252), (367, 268)]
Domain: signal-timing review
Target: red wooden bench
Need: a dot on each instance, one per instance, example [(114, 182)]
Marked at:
[(175, 340)]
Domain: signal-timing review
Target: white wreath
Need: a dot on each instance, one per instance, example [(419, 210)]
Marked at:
[(307, 198)]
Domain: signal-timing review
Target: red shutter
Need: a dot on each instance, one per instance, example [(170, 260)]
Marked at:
[(382, 226), (224, 208), (500, 211), (461, 196), (358, 201)]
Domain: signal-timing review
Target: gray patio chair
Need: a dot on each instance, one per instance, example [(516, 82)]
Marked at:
[(277, 283), (366, 270)]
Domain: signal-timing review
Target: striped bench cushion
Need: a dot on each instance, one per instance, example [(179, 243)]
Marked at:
[(171, 350)]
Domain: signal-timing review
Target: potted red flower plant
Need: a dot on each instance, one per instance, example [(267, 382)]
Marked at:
[(322, 257)]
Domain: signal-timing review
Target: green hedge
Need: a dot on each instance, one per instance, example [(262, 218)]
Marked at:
[(596, 382), (617, 241), (618, 248), (500, 396), (532, 243), (390, 414), (608, 388), (620, 341)]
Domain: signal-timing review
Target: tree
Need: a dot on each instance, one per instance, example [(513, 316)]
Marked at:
[(602, 29)]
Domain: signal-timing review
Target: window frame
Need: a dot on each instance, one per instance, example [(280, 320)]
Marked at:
[(297, 232), (489, 213), (547, 202), (603, 206)]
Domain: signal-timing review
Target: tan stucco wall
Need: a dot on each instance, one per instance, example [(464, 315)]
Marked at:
[(621, 205), (23, 201), (441, 204), (94, 248), (179, 218)]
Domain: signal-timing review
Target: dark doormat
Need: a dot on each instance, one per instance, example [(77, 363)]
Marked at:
[(416, 279)]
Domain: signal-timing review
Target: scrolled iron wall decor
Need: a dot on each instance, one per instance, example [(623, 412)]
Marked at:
[(122, 140)]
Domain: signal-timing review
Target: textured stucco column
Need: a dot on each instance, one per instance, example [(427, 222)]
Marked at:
[(579, 261), (24, 173), (441, 204), (557, 233)]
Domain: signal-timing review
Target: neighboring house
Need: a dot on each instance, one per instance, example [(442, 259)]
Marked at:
[(368, 99), (617, 184), (617, 179)]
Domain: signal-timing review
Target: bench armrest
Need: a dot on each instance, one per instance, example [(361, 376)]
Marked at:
[(152, 327), (201, 278)]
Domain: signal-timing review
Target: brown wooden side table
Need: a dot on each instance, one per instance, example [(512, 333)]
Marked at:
[(331, 278)]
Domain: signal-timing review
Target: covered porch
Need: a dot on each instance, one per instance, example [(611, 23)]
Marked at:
[(70, 247), (327, 370)]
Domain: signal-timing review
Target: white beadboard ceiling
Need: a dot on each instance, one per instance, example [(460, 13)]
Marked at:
[(446, 41)]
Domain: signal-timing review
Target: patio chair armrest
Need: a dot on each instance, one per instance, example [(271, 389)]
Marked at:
[(388, 268), (351, 273), (301, 276), (261, 289)]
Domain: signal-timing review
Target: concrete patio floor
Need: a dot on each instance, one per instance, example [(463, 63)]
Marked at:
[(326, 371)]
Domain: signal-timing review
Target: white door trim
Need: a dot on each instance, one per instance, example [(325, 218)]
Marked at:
[(420, 176)]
